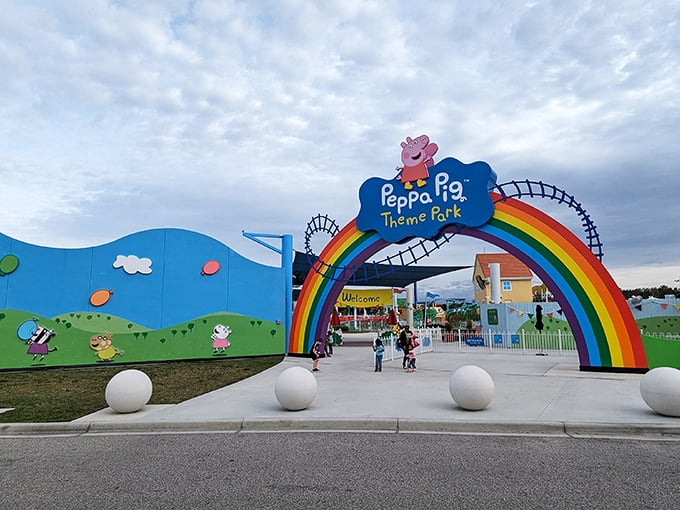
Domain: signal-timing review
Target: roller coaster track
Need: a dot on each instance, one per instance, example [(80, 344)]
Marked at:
[(422, 248), (539, 189)]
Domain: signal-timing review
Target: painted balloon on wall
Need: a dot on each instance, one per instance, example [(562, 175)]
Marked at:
[(100, 297), (210, 268), (8, 264)]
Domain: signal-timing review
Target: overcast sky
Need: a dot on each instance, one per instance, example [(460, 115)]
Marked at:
[(222, 116)]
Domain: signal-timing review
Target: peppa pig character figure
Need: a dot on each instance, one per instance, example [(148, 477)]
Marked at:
[(220, 337), (416, 154)]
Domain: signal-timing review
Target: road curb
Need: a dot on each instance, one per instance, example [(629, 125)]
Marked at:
[(49, 428), (380, 425), (326, 424), (481, 427), (576, 429)]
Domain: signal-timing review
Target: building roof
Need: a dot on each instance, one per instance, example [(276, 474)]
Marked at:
[(511, 266)]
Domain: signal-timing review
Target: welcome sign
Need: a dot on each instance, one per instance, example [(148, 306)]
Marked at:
[(452, 192), (365, 298)]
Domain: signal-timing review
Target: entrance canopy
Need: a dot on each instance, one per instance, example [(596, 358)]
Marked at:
[(377, 275)]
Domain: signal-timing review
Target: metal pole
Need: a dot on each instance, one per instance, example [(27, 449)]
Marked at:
[(287, 263), (559, 340)]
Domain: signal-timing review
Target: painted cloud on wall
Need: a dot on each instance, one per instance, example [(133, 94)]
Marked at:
[(132, 264)]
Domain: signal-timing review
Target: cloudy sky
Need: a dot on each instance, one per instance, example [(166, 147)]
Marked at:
[(222, 116)]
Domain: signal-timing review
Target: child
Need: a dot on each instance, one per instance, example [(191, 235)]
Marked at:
[(379, 349), (316, 354), (411, 360)]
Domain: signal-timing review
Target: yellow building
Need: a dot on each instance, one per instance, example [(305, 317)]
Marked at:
[(515, 278)]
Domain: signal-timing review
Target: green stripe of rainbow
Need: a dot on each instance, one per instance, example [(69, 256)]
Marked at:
[(604, 329)]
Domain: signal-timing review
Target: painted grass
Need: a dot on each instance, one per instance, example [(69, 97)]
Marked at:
[(66, 394)]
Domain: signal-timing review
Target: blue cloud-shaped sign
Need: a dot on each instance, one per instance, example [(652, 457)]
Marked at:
[(454, 193)]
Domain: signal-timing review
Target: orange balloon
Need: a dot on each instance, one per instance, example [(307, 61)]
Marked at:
[(100, 297)]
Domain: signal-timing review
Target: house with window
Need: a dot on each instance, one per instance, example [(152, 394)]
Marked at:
[(515, 278)]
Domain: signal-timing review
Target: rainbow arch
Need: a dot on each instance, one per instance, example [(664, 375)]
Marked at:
[(604, 329)]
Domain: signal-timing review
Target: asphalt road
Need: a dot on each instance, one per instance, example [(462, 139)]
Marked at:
[(285, 470)]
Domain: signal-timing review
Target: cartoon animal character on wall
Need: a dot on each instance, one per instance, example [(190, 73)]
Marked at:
[(103, 347), (416, 155), (37, 344), (220, 338), (36, 337)]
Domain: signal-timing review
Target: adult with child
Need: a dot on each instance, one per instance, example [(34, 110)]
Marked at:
[(405, 343)]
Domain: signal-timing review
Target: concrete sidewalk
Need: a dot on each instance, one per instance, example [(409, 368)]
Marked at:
[(533, 395)]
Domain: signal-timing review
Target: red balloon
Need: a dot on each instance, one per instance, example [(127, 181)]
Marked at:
[(210, 268)]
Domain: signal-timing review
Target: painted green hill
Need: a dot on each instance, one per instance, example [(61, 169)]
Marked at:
[(190, 340)]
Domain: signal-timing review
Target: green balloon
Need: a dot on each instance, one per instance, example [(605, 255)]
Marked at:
[(8, 264)]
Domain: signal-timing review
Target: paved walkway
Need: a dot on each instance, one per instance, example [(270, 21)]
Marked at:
[(533, 394)]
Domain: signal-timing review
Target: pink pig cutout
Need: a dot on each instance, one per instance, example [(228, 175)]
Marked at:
[(416, 154)]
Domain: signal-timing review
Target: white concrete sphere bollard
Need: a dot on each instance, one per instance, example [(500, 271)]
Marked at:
[(128, 391), (471, 387), (660, 389), (295, 388)]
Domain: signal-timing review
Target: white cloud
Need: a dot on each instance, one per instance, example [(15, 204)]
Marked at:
[(222, 116), (133, 264)]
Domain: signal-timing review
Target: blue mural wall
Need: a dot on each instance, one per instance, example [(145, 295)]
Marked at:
[(152, 281)]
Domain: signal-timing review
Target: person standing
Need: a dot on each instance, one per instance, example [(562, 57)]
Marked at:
[(379, 350), (316, 354), (412, 352), (329, 343), (412, 360), (405, 339)]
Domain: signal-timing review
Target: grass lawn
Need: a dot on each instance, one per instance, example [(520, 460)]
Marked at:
[(55, 395)]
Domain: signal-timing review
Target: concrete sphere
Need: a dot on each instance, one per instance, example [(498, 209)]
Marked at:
[(128, 391), (295, 388), (660, 389), (471, 388)]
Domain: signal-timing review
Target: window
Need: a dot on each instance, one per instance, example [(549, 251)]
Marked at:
[(507, 286)]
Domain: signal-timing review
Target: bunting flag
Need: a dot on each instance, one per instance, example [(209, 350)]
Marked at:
[(522, 313), (677, 307), (398, 291), (550, 315), (664, 305), (559, 311), (512, 310), (638, 308)]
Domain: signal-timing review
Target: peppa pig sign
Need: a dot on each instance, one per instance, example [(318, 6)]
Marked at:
[(426, 196)]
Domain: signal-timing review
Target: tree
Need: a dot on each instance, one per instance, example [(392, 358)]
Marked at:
[(647, 292)]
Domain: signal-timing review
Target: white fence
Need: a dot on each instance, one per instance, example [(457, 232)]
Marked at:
[(521, 342), (667, 336)]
